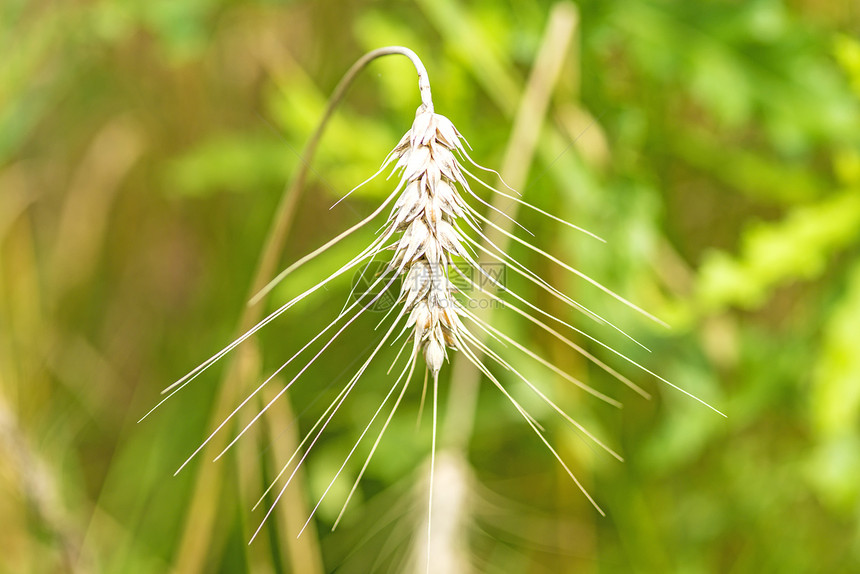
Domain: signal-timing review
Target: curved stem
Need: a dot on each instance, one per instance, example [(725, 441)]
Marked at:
[(286, 209), (423, 78)]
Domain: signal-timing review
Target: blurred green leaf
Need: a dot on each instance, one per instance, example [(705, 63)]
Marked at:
[(836, 391), (236, 163), (847, 52), (799, 247)]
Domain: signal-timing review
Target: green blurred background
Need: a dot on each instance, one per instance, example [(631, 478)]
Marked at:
[(144, 147)]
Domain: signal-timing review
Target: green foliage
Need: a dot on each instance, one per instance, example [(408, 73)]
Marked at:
[(228, 163), (799, 247)]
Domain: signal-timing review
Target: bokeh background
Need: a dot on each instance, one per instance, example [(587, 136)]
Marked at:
[(144, 151)]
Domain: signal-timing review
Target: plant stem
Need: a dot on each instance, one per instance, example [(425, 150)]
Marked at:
[(286, 209)]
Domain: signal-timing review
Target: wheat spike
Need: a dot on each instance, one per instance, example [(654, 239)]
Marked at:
[(430, 231)]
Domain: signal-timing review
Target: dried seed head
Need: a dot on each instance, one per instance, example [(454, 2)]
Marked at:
[(427, 214), (425, 210)]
